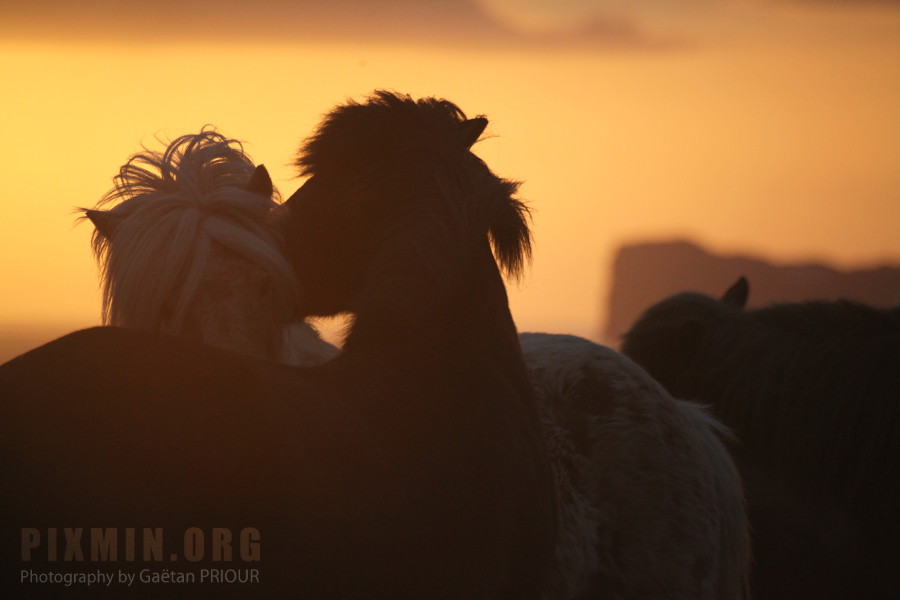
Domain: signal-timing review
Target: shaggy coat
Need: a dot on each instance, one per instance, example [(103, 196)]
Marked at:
[(651, 505)]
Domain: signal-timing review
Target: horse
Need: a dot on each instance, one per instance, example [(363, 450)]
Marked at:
[(651, 504), (613, 522), (411, 465), (812, 390), (192, 247)]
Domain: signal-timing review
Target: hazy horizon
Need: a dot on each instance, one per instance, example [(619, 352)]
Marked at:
[(16, 339)]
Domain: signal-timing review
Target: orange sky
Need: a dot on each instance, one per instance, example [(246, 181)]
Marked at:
[(748, 127)]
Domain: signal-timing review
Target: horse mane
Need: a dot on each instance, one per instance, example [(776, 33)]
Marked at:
[(830, 370), (172, 209), (359, 146), (852, 347)]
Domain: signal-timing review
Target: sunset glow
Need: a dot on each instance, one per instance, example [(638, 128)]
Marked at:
[(777, 135)]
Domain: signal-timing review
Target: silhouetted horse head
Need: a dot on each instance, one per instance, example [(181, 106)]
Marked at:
[(377, 170), (666, 339)]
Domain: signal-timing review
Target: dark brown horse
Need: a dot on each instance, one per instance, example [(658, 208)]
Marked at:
[(411, 466), (812, 390)]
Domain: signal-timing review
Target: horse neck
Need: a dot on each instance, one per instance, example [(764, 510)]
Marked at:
[(436, 303)]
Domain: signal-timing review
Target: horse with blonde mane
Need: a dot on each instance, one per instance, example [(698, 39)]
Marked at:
[(192, 246)]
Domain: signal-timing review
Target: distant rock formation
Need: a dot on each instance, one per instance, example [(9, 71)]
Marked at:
[(644, 274)]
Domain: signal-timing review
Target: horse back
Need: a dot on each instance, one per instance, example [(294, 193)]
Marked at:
[(115, 429)]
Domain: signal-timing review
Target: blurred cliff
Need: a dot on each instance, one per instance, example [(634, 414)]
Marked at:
[(645, 273)]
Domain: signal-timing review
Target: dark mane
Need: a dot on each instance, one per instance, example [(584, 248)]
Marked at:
[(394, 147), (385, 129), (818, 320)]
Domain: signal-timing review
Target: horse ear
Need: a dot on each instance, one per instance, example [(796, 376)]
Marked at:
[(737, 294), (260, 182), (472, 130), (104, 221)]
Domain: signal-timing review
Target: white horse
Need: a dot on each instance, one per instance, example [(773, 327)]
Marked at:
[(650, 504), (192, 247)]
